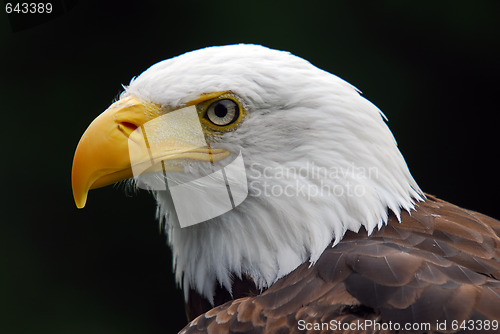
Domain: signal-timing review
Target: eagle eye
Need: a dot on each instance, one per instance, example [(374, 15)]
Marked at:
[(223, 112)]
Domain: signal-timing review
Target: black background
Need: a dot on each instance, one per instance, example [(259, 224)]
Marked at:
[(432, 67)]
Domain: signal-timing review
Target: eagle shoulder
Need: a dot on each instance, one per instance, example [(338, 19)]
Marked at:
[(439, 264)]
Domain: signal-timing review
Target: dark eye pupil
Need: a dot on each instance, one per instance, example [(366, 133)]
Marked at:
[(220, 110)]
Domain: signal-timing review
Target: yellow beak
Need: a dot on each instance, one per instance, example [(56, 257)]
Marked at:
[(102, 156)]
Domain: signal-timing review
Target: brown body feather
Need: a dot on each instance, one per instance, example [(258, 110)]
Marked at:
[(440, 264)]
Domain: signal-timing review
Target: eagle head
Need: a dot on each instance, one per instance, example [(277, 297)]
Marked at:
[(317, 160)]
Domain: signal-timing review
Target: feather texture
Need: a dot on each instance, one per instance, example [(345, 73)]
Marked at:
[(419, 271)]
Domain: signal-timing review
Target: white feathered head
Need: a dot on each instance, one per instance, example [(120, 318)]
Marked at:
[(318, 158)]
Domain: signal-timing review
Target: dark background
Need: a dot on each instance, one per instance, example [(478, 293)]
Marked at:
[(431, 66)]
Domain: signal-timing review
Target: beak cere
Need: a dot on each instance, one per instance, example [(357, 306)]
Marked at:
[(131, 136)]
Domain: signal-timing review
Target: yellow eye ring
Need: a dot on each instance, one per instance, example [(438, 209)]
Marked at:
[(221, 113)]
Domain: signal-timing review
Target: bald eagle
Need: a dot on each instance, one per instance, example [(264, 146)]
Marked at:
[(326, 231)]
